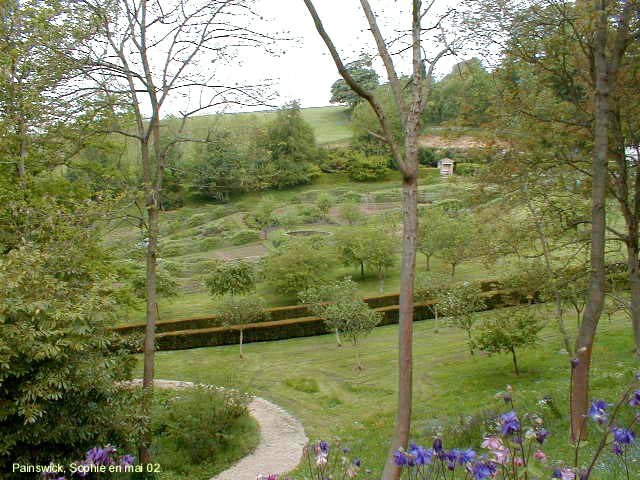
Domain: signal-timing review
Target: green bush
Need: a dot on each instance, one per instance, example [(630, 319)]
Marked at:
[(195, 426), (211, 243), (467, 168), (246, 236), (368, 168), (309, 214), (301, 384), (172, 250), (197, 220)]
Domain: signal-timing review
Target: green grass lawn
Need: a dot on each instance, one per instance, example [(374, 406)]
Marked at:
[(317, 381)]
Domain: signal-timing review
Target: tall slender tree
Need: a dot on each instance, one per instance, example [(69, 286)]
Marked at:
[(410, 97), (150, 54)]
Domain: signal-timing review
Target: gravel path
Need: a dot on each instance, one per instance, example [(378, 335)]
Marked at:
[(282, 439)]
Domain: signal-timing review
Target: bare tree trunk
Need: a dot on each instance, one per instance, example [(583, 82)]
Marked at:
[(593, 309), (338, 342), (634, 284), (515, 361), (405, 330), (241, 338)]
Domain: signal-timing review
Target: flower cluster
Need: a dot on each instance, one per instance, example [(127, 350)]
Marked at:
[(96, 457)]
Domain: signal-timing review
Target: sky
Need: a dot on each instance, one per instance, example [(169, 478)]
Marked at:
[(304, 70)]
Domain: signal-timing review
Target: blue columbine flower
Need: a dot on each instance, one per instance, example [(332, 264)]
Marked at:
[(635, 399), (510, 423), (400, 458), (437, 445), (467, 456), (422, 455), (346, 450), (617, 449), (598, 411), (541, 435), (482, 471), (101, 455), (127, 460), (357, 462), (324, 446), (624, 436)]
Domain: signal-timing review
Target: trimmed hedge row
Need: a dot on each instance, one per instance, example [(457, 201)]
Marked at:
[(305, 326), (276, 313)]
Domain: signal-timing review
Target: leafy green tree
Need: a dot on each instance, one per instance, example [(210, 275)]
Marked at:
[(507, 332), (431, 234), (343, 311), (455, 240), (240, 310), (432, 286), (366, 247), (296, 266), (231, 277), (59, 359), (324, 203), (294, 153), (264, 216), (459, 304), (362, 73), (351, 212)]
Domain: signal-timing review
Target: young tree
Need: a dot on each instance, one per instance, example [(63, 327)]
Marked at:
[(455, 240), (241, 310), (459, 304), (430, 233), (235, 277), (351, 212), (405, 154), (343, 311), (432, 286), (264, 216), (367, 247), (324, 203), (296, 266), (149, 55), (507, 332)]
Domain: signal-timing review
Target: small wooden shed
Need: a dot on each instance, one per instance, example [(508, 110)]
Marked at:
[(445, 165)]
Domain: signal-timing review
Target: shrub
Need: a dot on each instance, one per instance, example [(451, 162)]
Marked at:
[(194, 426), (297, 266), (309, 214), (351, 212), (367, 168), (246, 236), (465, 169), (231, 277), (197, 220)]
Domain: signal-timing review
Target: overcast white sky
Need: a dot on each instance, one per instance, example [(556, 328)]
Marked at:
[(305, 71)]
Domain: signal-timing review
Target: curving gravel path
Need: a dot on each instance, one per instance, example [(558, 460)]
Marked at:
[(282, 439)]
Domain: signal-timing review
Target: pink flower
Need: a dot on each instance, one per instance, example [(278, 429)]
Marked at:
[(519, 462), (539, 455), (321, 460), (497, 448), (493, 443)]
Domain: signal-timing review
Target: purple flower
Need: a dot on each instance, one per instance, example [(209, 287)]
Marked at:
[(635, 399), (437, 445), (617, 449), (127, 460), (346, 450), (467, 456), (598, 411), (324, 446), (357, 462), (422, 455), (101, 456), (481, 471), (541, 435), (510, 423), (400, 458), (624, 436)]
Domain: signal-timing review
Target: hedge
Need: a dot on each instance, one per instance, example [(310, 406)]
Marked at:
[(276, 313), (302, 327)]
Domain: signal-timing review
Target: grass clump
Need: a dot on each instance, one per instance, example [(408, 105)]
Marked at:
[(302, 384)]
